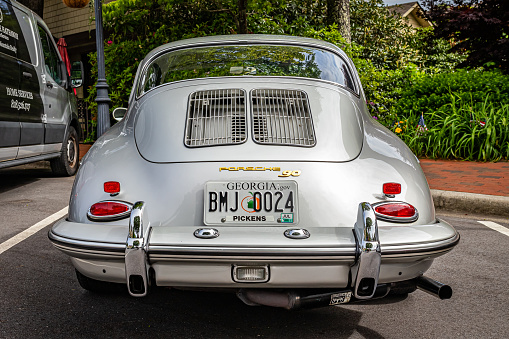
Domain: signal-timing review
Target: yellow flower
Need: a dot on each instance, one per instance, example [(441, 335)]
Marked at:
[(398, 130)]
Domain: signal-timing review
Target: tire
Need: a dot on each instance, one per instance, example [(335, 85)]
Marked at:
[(68, 162), (97, 286)]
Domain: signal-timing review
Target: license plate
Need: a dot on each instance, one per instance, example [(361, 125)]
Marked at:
[(251, 202), (340, 298)]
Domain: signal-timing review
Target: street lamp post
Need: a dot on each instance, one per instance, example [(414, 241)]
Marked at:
[(102, 99)]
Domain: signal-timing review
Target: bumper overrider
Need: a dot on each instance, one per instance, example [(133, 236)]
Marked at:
[(362, 267)]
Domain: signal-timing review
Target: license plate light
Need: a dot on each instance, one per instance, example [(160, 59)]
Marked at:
[(250, 273)]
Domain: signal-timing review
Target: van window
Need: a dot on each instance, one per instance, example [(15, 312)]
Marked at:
[(12, 41), (51, 59)]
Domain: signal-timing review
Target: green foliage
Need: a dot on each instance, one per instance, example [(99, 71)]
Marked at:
[(285, 17), (390, 43), (384, 88), (332, 35), (428, 93), (461, 129)]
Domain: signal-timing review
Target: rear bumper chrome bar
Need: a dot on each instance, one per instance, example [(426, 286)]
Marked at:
[(136, 259), (368, 247)]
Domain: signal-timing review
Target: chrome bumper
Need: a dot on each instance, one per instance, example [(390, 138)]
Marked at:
[(136, 259), (142, 251), (368, 247)]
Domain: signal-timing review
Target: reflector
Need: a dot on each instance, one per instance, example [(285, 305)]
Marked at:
[(112, 187), (392, 188)]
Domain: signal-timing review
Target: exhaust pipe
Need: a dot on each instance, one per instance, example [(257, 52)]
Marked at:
[(292, 300), (434, 287)]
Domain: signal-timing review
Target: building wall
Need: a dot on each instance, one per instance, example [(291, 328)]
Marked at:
[(412, 20), (63, 21)]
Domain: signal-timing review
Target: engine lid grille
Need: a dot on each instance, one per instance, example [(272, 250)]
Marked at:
[(282, 117), (216, 117)]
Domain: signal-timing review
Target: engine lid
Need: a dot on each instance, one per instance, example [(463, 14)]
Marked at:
[(248, 121)]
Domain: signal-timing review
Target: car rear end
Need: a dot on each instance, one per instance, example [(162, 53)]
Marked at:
[(253, 184)]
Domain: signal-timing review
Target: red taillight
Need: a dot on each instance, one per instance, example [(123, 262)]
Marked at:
[(112, 187), (396, 211), (109, 210), (392, 188)]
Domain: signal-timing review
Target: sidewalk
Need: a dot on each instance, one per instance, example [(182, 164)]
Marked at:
[(467, 176), (468, 186)]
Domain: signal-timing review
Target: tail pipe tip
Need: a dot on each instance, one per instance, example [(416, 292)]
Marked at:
[(434, 287)]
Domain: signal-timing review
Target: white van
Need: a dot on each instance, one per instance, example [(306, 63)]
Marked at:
[(38, 112)]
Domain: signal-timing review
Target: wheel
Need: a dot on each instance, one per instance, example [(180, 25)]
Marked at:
[(68, 162), (98, 286)]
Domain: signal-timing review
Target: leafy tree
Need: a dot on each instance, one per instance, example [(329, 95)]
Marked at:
[(481, 28), (338, 12)]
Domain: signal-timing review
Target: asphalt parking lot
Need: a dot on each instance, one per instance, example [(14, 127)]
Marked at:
[(41, 297)]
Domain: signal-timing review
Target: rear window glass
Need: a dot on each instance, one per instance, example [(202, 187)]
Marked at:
[(245, 60)]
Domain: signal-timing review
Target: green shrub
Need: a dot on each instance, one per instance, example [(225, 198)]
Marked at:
[(461, 129), (429, 93)]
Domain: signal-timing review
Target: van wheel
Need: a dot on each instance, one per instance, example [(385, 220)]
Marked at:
[(68, 162), (98, 286)]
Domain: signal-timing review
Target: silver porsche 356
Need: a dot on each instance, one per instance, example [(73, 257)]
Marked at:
[(251, 163)]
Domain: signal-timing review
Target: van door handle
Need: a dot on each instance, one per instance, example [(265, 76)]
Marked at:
[(49, 84), (27, 75)]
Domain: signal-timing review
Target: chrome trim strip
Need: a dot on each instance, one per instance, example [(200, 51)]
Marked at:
[(84, 245), (410, 249), (89, 253), (254, 259), (249, 251), (162, 251)]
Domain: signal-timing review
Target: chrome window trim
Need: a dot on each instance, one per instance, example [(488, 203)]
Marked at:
[(356, 90)]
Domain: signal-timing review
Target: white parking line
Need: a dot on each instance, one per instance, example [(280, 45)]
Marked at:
[(496, 227), (32, 230)]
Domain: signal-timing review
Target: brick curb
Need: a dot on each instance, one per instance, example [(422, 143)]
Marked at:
[(471, 202)]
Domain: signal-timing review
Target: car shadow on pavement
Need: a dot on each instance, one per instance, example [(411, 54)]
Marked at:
[(194, 314), (15, 177)]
